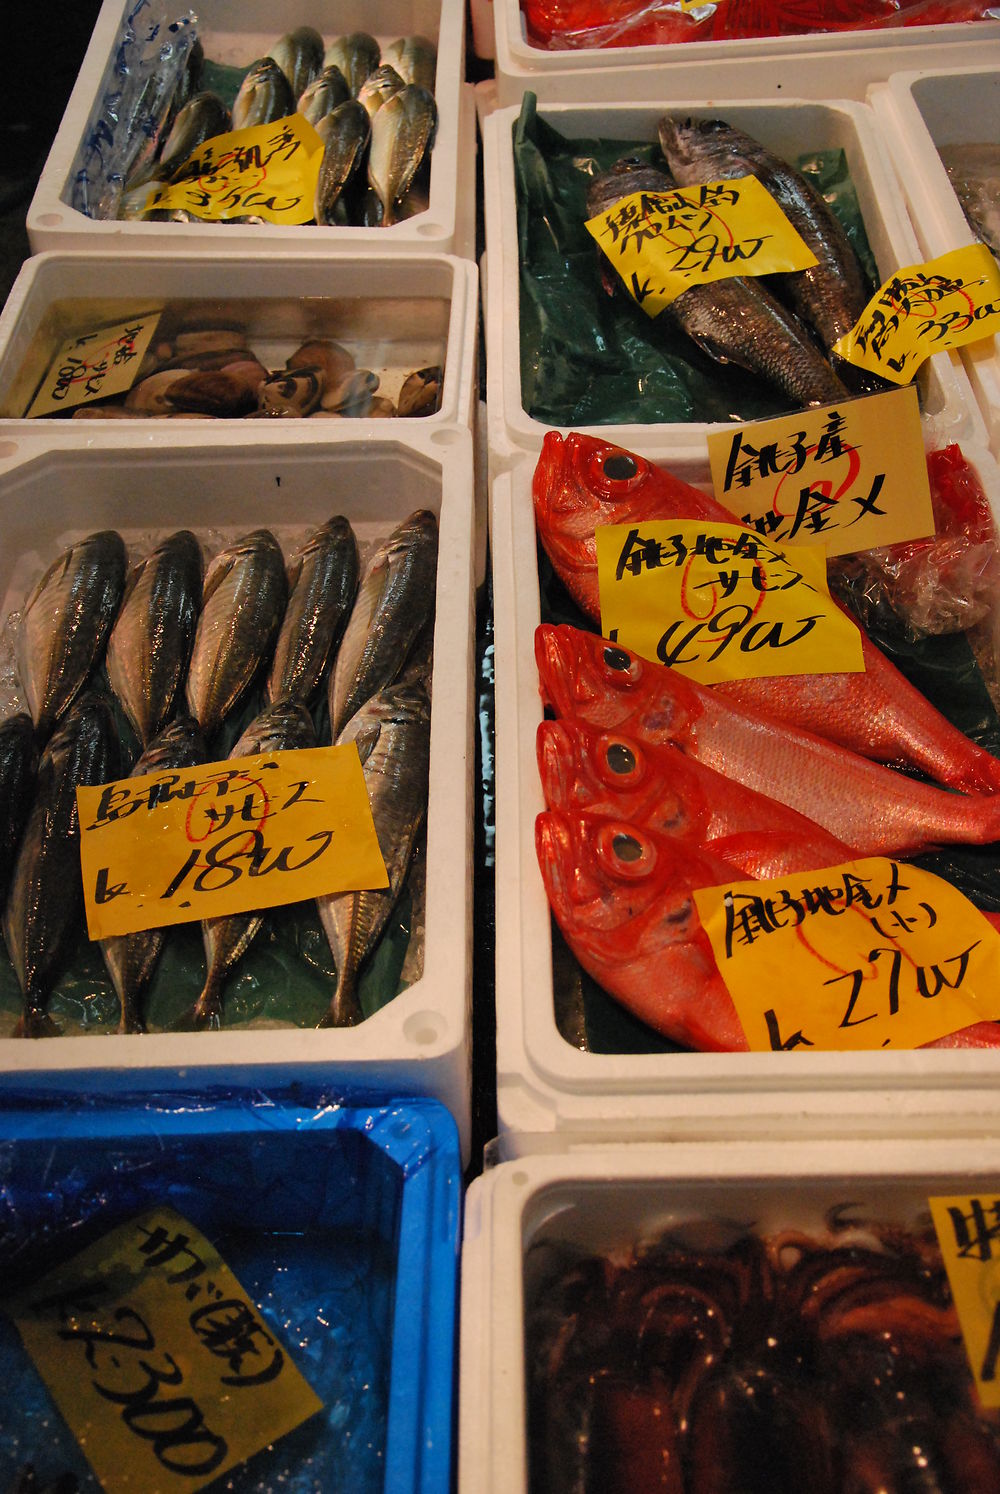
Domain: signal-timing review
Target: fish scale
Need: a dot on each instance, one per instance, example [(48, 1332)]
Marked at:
[(870, 807)]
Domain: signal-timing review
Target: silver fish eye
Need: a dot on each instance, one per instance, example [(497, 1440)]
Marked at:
[(617, 658), (619, 467), (620, 759), (626, 847)]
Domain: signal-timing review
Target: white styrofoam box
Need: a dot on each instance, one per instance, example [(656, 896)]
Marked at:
[(790, 127), (236, 33), (819, 66), (611, 1197), (395, 313), (419, 1043), (918, 112), (549, 1092)]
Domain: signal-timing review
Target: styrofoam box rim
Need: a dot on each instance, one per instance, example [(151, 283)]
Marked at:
[(508, 1207), (548, 1091), (820, 65), (377, 273), (512, 430), (420, 1042), (935, 212), (53, 224)]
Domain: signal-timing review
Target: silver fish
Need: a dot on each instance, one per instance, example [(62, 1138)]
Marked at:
[(379, 86), (345, 133), (42, 915), (356, 55), (264, 96), (242, 607), (830, 295), (18, 770), (299, 54), (394, 602), (323, 95), (66, 622), (282, 726), (131, 959), (323, 579), (201, 119), (414, 59), (392, 732), (402, 134), (150, 643), (736, 320)]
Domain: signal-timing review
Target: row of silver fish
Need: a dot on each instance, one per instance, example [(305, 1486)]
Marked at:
[(205, 372), (175, 644), (783, 330), (374, 111)]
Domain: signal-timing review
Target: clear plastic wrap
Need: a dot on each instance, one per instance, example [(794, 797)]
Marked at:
[(355, 1274), (146, 70), (569, 24)]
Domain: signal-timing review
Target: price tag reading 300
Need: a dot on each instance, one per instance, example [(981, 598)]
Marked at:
[(222, 838)]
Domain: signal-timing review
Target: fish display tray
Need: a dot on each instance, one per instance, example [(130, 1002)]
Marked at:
[(601, 1199), (357, 1272), (917, 113), (235, 33), (790, 127), (821, 66), (419, 1042), (551, 1093), (395, 314)]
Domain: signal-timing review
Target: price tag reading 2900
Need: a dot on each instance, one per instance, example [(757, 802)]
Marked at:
[(223, 838)]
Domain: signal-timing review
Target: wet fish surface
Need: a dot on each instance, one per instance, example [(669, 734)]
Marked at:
[(131, 959), (150, 643), (18, 771), (263, 97), (323, 581), (357, 56), (323, 95), (65, 624), (43, 913), (299, 54), (345, 133), (395, 600), (242, 608), (736, 320), (402, 132), (392, 733)]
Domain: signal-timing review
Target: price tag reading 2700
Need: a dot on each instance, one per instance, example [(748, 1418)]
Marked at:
[(161, 1364), (222, 838)]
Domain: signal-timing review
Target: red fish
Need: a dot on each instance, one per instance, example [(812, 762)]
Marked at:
[(581, 482), (658, 787), (622, 897), (867, 806)]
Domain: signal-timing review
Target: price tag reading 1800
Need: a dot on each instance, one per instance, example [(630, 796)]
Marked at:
[(222, 838), (161, 1364)]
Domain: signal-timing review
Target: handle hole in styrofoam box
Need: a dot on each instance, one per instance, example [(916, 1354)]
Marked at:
[(423, 1029)]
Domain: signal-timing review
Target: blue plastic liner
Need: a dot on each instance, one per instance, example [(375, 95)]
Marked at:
[(341, 1222)]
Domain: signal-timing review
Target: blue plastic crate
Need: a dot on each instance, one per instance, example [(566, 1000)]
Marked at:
[(341, 1222)]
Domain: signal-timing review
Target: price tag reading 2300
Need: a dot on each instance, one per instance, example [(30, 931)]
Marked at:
[(222, 838)]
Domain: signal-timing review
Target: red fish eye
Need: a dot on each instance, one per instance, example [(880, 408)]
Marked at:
[(619, 466), (617, 658), (626, 847), (619, 758), (624, 851)]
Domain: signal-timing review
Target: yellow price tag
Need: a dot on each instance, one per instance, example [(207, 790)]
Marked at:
[(847, 477), (160, 1363), (662, 243), (102, 361), (718, 602), (265, 171), (968, 1231), (924, 309), (232, 837), (867, 955)]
